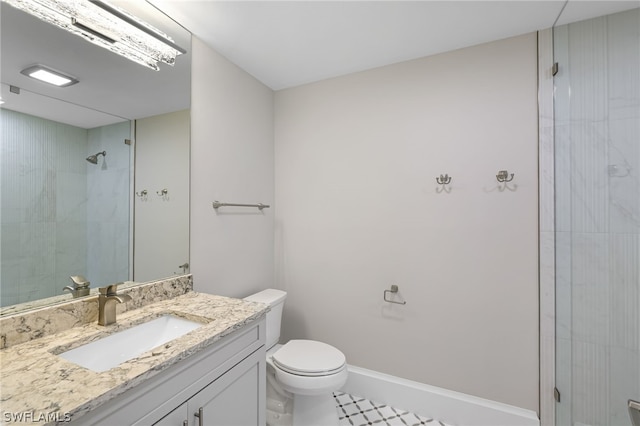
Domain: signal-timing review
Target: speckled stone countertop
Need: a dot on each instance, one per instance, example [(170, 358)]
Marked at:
[(34, 380), (30, 324)]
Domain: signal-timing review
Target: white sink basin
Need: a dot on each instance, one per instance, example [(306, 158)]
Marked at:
[(108, 352)]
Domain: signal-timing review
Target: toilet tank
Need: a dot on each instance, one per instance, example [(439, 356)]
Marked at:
[(275, 299)]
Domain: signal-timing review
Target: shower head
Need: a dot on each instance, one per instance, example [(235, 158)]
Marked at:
[(93, 159)]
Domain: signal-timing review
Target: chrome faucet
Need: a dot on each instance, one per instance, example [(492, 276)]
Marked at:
[(634, 412), (107, 300), (80, 286)]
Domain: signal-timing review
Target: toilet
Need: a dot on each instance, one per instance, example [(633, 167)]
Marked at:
[(301, 374)]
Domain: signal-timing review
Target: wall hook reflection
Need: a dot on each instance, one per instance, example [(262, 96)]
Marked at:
[(504, 176), (619, 170)]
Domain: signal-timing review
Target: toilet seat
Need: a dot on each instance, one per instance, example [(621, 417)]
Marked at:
[(309, 358)]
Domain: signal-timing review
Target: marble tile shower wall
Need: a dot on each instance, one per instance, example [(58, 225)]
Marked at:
[(597, 113), (61, 215), (108, 189), (40, 222)]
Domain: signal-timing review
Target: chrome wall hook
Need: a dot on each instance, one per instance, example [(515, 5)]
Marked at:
[(444, 180), (142, 194), (394, 290), (162, 192), (504, 176)]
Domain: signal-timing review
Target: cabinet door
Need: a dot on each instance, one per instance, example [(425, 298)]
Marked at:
[(234, 399)]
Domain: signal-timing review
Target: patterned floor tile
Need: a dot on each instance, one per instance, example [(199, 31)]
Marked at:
[(356, 411)]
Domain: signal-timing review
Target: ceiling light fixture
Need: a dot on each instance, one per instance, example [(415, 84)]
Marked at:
[(48, 75), (107, 26)]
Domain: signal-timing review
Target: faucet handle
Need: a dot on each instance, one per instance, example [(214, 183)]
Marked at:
[(109, 290), (80, 281)]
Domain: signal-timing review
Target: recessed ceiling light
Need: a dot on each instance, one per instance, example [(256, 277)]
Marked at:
[(48, 75)]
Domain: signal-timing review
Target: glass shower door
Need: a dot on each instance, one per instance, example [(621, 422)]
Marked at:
[(597, 175)]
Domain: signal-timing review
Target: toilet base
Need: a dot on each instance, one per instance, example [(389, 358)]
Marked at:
[(306, 411), (276, 417), (279, 405), (315, 410)]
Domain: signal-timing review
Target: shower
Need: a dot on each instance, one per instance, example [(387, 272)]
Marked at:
[(93, 159), (597, 221)]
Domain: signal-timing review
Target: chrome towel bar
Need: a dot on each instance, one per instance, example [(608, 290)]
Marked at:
[(217, 204)]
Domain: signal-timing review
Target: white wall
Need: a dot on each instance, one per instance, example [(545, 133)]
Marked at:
[(231, 161), (357, 210), (161, 241)]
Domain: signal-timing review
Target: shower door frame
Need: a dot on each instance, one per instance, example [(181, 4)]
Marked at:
[(546, 223)]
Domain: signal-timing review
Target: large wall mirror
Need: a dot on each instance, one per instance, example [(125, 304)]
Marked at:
[(95, 175)]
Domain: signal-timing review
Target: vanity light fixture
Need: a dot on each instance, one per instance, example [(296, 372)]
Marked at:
[(106, 26), (48, 75)]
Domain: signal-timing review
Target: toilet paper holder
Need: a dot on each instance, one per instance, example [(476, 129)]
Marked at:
[(394, 290)]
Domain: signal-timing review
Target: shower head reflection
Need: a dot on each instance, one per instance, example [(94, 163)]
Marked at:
[(93, 159)]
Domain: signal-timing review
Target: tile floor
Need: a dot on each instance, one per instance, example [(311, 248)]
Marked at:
[(356, 411)]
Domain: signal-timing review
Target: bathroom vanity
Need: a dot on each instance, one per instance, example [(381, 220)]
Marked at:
[(219, 385), (212, 375)]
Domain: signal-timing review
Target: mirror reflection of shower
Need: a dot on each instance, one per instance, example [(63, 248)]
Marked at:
[(93, 159)]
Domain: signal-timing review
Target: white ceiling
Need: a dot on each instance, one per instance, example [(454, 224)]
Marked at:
[(288, 43), (281, 43)]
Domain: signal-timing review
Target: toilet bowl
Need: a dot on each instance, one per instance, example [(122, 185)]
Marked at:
[(308, 367), (301, 374)]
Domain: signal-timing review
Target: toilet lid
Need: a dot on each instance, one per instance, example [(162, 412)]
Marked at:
[(309, 358)]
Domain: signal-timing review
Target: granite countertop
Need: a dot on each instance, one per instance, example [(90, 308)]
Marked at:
[(35, 381)]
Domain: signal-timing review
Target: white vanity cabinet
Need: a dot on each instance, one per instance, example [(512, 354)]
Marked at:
[(229, 401), (224, 384)]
